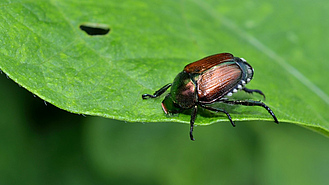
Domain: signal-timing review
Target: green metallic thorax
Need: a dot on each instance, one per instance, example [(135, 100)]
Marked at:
[(183, 91)]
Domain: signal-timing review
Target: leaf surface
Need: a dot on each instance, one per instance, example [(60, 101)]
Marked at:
[(150, 42)]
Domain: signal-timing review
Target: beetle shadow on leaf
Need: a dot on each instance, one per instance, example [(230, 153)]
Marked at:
[(208, 113), (231, 109)]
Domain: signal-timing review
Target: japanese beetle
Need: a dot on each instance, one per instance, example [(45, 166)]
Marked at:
[(207, 81)]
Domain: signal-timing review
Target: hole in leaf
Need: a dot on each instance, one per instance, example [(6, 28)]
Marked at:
[(95, 28)]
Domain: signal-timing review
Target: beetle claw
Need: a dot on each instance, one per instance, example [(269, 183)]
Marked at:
[(146, 96), (191, 134), (250, 91)]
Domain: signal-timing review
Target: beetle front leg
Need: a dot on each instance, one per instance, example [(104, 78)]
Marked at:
[(220, 110), (158, 92), (250, 91), (193, 116), (252, 103)]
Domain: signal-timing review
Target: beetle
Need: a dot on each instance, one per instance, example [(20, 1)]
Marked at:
[(207, 81)]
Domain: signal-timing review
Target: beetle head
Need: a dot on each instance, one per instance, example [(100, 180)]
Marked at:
[(168, 105)]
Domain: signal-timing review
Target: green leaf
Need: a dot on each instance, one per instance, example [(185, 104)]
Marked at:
[(150, 42)]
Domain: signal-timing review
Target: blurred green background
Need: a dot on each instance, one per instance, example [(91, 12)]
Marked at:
[(42, 144)]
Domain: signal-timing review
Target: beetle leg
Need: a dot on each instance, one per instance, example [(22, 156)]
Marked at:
[(158, 92), (250, 91), (193, 116), (252, 103), (220, 110)]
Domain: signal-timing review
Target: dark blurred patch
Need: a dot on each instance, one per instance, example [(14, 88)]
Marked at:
[(44, 117)]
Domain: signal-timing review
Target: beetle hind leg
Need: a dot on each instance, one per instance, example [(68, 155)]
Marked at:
[(250, 91), (220, 110), (252, 103), (158, 92)]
